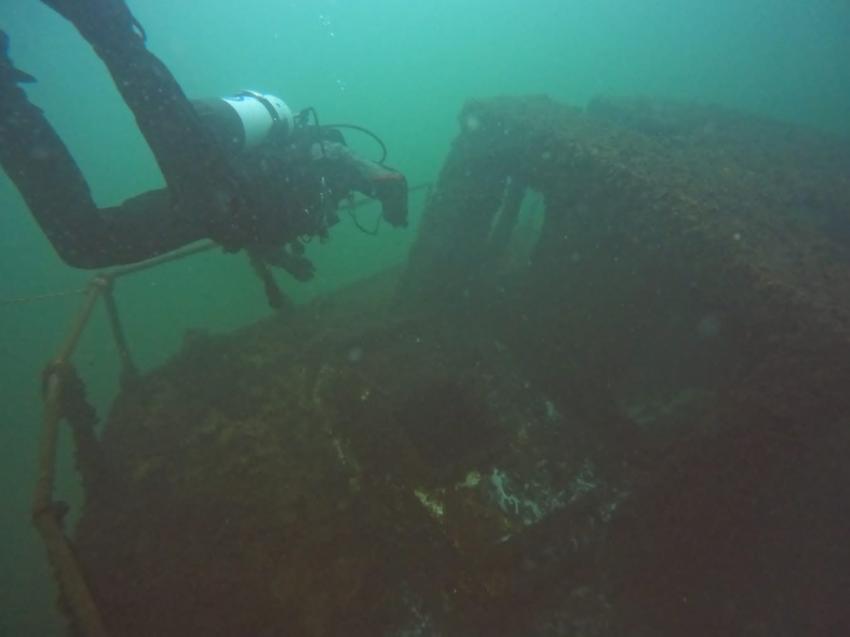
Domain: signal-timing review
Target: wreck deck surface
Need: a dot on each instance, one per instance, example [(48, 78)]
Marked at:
[(638, 427)]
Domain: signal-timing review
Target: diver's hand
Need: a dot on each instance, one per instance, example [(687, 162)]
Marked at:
[(391, 190)]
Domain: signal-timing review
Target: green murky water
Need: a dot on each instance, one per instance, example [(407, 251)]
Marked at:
[(400, 68)]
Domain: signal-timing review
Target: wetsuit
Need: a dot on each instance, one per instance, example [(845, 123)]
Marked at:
[(263, 199)]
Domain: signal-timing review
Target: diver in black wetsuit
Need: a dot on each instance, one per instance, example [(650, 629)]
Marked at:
[(243, 171)]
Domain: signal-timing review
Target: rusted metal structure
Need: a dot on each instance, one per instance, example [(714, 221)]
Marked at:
[(657, 217), (691, 276), (605, 396)]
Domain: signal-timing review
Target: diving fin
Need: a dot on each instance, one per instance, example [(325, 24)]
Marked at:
[(8, 72)]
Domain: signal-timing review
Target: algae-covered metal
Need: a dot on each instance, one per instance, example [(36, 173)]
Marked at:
[(608, 396)]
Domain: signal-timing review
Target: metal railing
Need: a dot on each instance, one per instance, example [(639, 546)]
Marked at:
[(47, 514)]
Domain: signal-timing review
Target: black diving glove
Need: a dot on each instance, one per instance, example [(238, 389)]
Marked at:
[(390, 188), (289, 257)]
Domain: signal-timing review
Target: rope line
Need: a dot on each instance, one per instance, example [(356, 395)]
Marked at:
[(20, 300)]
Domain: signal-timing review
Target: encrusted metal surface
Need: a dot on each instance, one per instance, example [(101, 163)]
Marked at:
[(620, 429)]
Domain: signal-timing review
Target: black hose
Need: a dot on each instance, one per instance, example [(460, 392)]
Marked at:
[(365, 131)]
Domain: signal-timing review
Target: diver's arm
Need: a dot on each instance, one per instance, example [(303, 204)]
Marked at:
[(141, 228)]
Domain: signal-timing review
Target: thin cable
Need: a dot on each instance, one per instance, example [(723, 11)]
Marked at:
[(365, 131), (40, 297), (373, 232)]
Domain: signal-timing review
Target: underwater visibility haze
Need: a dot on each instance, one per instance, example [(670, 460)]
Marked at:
[(767, 78)]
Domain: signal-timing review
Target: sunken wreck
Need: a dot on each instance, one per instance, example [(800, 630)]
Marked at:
[(608, 394)]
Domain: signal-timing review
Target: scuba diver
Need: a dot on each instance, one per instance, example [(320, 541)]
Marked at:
[(244, 171)]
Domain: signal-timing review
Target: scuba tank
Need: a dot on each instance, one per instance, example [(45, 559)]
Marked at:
[(246, 119)]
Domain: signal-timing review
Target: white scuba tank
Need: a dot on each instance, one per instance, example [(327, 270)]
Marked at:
[(258, 113), (245, 120)]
